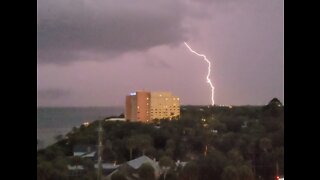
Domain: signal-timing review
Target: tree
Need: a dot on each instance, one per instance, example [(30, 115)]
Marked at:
[(245, 173), (275, 102), (60, 168), (230, 173), (146, 172), (44, 170), (278, 156), (235, 156), (75, 129), (212, 165), (58, 137), (170, 147), (51, 170), (217, 125), (144, 142), (274, 108), (165, 163), (171, 175), (265, 144), (88, 164), (108, 144), (118, 176), (190, 172), (131, 143), (121, 115)]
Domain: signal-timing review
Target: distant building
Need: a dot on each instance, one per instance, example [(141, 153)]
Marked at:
[(137, 106), (115, 119), (145, 106), (164, 105)]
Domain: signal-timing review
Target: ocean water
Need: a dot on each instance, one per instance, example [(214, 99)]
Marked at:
[(53, 121)]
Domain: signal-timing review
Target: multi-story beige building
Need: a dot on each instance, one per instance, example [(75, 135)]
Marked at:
[(164, 105), (145, 106)]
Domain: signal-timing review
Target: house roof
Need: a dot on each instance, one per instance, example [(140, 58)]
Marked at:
[(136, 163), (115, 119), (107, 166), (91, 154), (84, 148)]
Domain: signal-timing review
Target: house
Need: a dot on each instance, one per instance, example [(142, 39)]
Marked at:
[(130, 168), (85, 151), (107, 167), (80, 170)]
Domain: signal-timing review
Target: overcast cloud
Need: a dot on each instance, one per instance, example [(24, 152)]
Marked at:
[(100, 50), (68, 29)]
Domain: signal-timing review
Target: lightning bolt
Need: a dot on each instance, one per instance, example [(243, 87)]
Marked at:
[(209, 71)]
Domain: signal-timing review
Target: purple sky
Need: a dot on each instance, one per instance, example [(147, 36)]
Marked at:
[(94, 52)]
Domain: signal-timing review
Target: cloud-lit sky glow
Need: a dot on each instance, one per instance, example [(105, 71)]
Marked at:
[(93, 52)]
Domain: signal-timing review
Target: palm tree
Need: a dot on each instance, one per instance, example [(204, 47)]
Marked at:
[(165, 163), (144, 142), (131, 143)]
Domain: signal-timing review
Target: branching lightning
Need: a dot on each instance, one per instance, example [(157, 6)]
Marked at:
[(209, 71)]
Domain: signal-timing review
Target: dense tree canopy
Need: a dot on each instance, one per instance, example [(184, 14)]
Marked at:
[(146, 172), (238, 142)]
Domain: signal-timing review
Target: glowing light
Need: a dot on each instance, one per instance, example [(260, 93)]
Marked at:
[(209, 71), (86, 124)]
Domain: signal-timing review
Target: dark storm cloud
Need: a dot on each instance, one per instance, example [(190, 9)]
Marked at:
[(53, 93), (69, 28)]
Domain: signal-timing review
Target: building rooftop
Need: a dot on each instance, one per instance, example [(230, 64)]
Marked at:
[(136, 163), (107, 166), (115, 119)]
